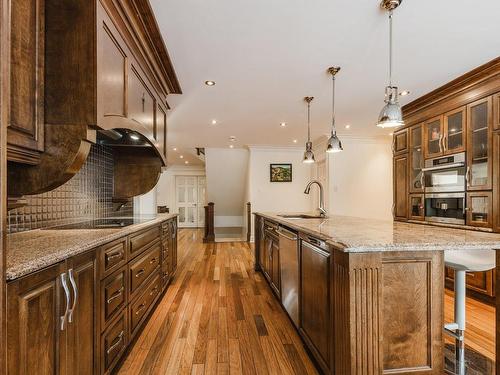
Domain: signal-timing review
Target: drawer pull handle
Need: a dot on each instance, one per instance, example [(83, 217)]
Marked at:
[(153, 291), (139, 273), (152, 261), (141, 307), (117, 342), (118, 254), (115, 295)]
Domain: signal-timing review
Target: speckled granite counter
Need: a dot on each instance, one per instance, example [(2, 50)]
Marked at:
[(36, 249), (354, 234)]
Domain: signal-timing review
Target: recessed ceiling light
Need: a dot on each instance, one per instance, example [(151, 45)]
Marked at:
[(404, 93), (231, 146), (282, 124), (391, 134), (210, 83), (294, 141), (214, 122), (232, 138), (175, 149), (181, 156), (186, 162), (348, 126), (135, 137)]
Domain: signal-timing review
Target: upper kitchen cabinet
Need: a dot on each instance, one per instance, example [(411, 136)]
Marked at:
[(26, 119), (433, 134), (416, 159), (105, 75), (454, 131), (400, 145), (479, 164), (496, 111)]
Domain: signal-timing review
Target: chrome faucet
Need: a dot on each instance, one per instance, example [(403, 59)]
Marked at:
[(321, 196)]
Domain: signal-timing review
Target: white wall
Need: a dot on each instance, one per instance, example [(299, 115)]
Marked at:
[(226, 171), (278, 196), (360, 178), (145, 204), (166, 184)]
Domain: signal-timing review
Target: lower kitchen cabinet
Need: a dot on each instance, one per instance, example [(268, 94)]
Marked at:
[(271, 259), (481, 283), (315, 300), (51, 326)]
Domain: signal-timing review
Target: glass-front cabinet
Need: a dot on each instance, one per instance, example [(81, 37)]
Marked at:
[(479, 145), (416, 207), (433, 135), (454, 131), (416, 159), (479, 209)]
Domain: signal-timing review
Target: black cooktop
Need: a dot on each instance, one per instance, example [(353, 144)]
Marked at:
[(103, 223)]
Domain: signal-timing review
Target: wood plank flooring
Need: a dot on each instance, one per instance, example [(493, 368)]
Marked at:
[(480, 332), (218, 317)]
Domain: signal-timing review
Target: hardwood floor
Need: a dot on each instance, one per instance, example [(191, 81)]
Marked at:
[(480, 333), (218, 317)]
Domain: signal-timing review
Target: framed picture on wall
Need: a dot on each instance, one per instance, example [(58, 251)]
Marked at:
[(281, 172)]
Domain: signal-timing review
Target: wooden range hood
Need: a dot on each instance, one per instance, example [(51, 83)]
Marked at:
[(105, 66)]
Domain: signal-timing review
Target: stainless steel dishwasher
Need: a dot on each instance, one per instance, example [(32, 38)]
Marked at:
[(289, 270)]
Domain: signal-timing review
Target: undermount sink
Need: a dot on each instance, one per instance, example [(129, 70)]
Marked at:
[(301, 216)]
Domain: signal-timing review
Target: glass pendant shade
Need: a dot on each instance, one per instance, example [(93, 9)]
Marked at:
[(334, 144), (391, 115), (308, 154)]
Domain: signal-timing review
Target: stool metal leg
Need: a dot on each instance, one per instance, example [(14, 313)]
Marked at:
[(460, 321)]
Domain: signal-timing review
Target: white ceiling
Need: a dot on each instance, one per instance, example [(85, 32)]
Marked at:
[(267, 55)]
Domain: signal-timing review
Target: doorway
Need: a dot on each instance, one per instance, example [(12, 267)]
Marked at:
[(190, 194)]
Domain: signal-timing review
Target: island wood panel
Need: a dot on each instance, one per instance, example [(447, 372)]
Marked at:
[(374, 296)]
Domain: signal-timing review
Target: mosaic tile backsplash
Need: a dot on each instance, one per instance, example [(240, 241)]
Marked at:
[(88, 195)]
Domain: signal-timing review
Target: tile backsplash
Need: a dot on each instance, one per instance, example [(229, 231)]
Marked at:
[(88, 195)]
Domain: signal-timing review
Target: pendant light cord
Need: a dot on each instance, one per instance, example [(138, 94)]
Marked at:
[(309, 121), (390, 48), (334, 130)]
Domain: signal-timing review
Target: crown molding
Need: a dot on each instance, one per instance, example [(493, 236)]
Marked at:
[(275, 148)]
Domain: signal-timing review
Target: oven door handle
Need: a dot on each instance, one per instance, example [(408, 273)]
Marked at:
[(439, 167)]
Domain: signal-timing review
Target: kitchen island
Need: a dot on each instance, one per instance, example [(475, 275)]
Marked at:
[(369, 293)]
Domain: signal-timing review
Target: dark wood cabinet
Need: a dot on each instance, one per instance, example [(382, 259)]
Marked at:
[(275, 266), (25, 129), (36, 341), (51, 319), (400, 145), (315, 316), (82, 338), (480, 282), (400, 171), (479, 138), (496, 111), (479, 209), (433, 137), (416, 159), (454, 131), (269, 257), (416, 208)]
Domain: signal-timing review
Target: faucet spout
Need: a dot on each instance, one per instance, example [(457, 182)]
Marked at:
[(321, 207)]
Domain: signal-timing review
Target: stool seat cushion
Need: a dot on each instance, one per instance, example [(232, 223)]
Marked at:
[(470, 260)]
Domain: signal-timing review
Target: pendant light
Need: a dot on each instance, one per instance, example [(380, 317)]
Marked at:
[(391, 115), (308, 154), (334, 144)]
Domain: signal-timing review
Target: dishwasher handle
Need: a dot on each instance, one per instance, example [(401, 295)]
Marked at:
[(287, 234)]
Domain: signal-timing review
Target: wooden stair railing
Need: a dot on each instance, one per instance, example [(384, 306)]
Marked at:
[(249, 221), (209, 223)]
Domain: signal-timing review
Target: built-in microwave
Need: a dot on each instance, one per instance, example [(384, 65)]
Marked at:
[(445, 174)]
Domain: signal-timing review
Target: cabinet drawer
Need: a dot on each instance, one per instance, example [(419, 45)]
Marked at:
[(142, 305), (481, 282), (113, 343), (113, 295), (112, 256), (141, 241), (144, 266)]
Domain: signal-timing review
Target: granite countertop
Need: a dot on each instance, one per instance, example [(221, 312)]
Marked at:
[(353, 234), (36, 249)]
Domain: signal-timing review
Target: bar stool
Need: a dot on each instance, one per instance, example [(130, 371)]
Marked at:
[(463, 261)]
